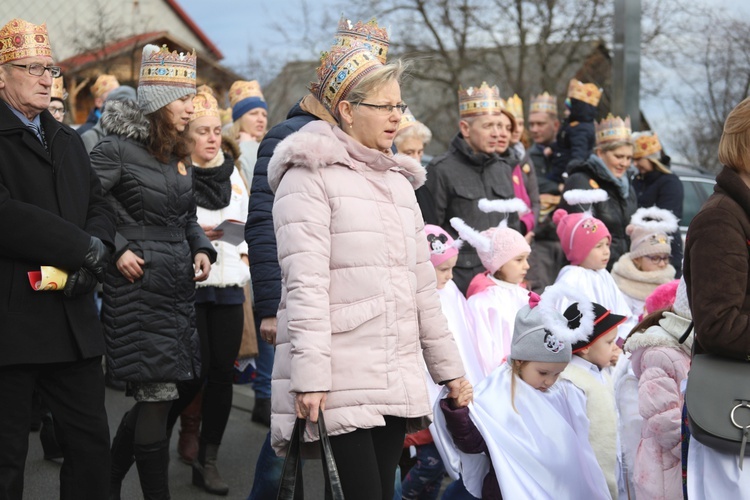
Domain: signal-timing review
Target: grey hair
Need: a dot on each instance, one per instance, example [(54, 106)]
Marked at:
[(419, 130)]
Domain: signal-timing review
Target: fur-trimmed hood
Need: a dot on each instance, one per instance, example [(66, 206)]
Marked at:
[(320, 144), (666, 334), (125, 118)]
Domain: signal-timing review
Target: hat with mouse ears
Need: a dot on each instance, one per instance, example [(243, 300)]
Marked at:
[(442, 245)]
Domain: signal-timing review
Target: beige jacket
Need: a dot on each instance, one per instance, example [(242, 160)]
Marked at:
[(359, 304)]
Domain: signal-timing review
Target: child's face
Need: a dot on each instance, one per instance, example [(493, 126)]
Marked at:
[(514, 271), (598, 257), (444, 272), (600, 352), (541, 376), (649, 263)]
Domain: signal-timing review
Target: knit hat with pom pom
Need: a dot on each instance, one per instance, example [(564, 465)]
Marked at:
[(649, 231)]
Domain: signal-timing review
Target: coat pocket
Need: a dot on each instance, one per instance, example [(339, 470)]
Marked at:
[(359, 353)]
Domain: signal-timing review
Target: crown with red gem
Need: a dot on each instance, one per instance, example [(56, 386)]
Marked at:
[(340, 70), (613, 129), (19, 39), (543, 103), (104, 84), (484, 100), (646, 144), (368, 34), (586, 92), (162, 67), (205, 103)]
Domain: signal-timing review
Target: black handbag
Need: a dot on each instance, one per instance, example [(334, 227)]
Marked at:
[(290, 487), (718, 403)]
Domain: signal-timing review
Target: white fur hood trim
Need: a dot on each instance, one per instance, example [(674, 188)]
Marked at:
[(318, 145), (666, 334)]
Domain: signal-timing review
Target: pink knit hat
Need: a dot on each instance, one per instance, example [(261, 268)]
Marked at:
[(495, 246), (662, 297), (442, 244), (650, 230), (580, 232)]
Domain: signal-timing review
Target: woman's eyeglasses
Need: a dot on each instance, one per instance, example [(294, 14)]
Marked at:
[(385, 108), (37, 69), (56, 111), (656, 259)]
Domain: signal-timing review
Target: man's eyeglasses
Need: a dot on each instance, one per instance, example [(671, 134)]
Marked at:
[(56, 111), (656, 259), (37, 69), (385, 108)]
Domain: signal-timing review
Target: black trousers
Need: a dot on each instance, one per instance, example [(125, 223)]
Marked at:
[(367, 458), (220, 331), (74, 393)]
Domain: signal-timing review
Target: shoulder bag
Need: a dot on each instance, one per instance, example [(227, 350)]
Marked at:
[(290, 487)]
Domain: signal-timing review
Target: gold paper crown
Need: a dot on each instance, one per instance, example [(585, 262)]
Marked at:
[(368, 34), (407, 120), (19, 39), (58, 89), (225, 115), (515, 106), (162, 67), (205, 103), (242, 89), (543, 103), (612, 129), (586, 92), (104, 84), (646, 144), (339, 71), (484, 100)]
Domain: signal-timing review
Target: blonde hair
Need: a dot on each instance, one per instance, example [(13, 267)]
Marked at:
[(515, 368), (734, 145), (373, 81), (611, 146)]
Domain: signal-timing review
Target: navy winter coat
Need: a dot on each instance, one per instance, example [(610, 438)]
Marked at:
[(575, 140)]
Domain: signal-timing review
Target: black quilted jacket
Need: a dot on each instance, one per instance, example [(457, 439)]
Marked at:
[(149, 324)]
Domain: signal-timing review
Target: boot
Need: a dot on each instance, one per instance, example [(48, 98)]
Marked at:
[(190, 422), (262, 411), (152, 461), (205, 473), (47, 436), (122, 457)]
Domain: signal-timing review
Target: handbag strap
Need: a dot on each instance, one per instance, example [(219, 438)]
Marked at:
[(329, 463), (686, 334)]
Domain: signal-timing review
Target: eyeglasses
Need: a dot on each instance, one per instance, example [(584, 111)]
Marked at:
[(56, 111), (385, 108), (656, 259), (37, 69)]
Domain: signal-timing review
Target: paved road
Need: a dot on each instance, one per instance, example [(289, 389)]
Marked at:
[(242, 442)]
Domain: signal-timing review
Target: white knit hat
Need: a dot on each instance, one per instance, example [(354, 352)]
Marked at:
[(681, 307)]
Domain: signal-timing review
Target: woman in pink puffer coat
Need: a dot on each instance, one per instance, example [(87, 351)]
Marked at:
[(359, 307), (661, 364)]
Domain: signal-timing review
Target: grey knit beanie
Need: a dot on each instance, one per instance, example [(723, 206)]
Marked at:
[(165, 77)]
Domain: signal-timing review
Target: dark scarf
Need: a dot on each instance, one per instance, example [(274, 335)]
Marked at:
[(213, 189)]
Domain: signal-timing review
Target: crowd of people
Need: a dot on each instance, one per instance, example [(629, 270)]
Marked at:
[(509, 321)]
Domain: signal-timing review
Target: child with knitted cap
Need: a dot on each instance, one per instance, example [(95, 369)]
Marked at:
[(638, 272), (494, 297), (425, 477), (521, 421), (660, 363), (585, 241), (586, 374)]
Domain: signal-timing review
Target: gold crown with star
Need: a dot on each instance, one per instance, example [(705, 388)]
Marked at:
[(543, 103), (515, 106), (340, 70), (646, 144), (19, 39), (58, 89), (613, 129), (586, 92), (484, 100), (162, 67), (205, 103), (103, 84), (368, 34)]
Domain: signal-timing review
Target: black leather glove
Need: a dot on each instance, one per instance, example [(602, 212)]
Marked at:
[(80, 282), (97, 258)]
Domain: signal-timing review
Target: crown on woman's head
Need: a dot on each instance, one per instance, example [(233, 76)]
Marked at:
[(407, 120), (205, 103), (613, 129), (58, 89), (104, 84), (646, 144), (20, 39), (242, 89), (162, 67), (586, 92), (543, 103), (514, 105), (368, 34), (484, 100), (340, 70)]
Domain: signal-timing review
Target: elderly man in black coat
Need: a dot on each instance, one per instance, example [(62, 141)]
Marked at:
[(52, 213)]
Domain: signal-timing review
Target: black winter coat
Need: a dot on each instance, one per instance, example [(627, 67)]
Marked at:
[(543, 166), (615, 213), (149, 324), (657, 189), (259, 232), (575, 140), (50, 206)]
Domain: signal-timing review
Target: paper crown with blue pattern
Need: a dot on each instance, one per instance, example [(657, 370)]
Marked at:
[(340, 70), (478, 101), (164, 77), (368, 35)]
